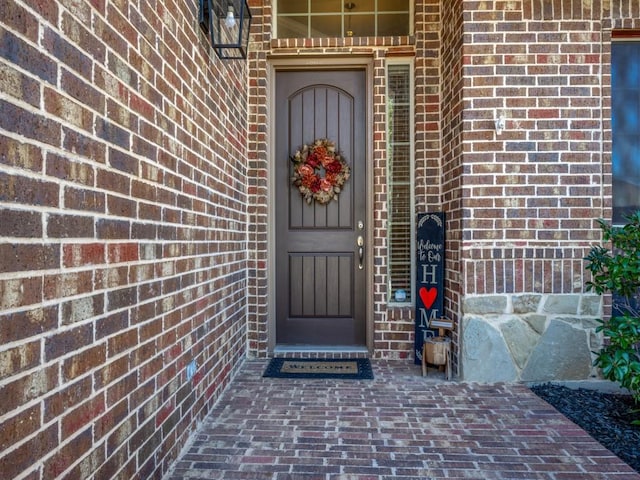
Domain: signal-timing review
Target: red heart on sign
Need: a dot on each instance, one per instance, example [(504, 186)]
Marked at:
[(428, 296)]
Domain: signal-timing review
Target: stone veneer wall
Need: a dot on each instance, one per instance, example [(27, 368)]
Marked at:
[(530, 337)]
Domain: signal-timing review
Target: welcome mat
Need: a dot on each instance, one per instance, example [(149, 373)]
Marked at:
[(352, 369)]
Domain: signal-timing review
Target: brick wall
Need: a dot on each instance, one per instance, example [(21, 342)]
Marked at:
[(258, 192), (530, 196), (449, 164), (123, 218), (394, 326), (532, 193)]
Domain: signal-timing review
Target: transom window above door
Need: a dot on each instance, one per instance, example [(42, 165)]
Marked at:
[(339, 18)]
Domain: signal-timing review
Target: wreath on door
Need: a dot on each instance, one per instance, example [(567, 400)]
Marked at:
[(319, 171)]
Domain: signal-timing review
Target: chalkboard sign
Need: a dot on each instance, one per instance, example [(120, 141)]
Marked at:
[(430, 277)]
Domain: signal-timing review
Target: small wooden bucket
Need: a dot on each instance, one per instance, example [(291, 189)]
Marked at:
[(436, 350)]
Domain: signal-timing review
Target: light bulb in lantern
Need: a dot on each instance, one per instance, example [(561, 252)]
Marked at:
[(230, 19)]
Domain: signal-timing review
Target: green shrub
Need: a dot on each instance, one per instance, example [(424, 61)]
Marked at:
[(617, 270)]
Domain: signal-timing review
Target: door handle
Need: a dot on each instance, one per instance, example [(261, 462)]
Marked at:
[(360, 243)]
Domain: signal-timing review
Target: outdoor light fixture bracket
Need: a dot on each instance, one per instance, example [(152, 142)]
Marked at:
[(229, 38)]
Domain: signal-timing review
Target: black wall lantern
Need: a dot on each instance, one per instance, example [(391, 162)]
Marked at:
[(227, 22)]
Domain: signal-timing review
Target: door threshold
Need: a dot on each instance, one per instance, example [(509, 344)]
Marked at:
[(315, 351)]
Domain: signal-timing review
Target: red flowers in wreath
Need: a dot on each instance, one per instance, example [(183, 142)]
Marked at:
[(319, 171)]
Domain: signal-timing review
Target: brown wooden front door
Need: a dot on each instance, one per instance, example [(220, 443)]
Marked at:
[(320, 274)]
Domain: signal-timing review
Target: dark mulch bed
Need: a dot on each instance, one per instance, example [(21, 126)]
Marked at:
[(606, 417)]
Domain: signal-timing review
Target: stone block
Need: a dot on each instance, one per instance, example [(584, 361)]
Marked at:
[(562, 304), (589, 323), (526, 303), (561, 354), (485, 355), (591, 305), (536, 321), (486, 304), (520, 338)]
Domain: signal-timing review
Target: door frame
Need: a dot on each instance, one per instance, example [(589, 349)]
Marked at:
[(325, 62)]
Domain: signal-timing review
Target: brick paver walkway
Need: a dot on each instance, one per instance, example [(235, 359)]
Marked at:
[(398, 426)]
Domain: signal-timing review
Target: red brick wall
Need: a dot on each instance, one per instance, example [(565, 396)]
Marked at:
[(532, 194), (449, 163), (123, 191), (258, 193)]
